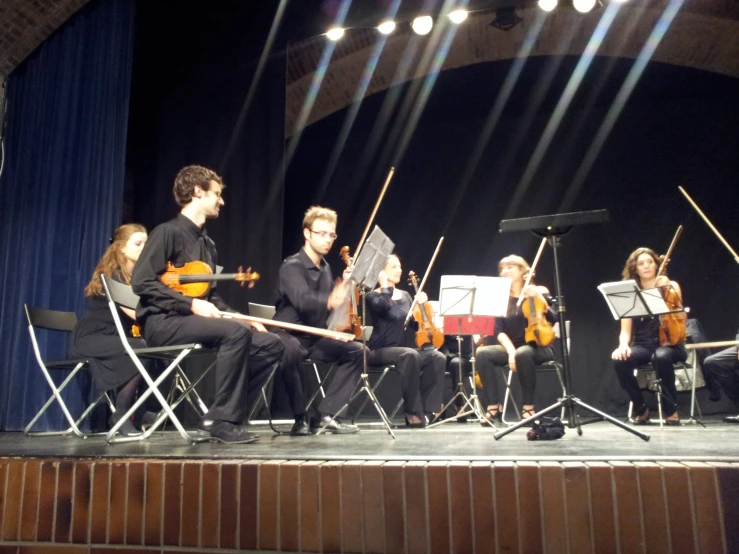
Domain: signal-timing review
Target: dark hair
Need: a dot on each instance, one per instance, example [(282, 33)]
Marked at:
[(318, 212), (629, 270), (190, 177)]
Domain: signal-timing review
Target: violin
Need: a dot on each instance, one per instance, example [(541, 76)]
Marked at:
[(193, 278), (355, 322), (672, 327), (538, 328), (423, 313)]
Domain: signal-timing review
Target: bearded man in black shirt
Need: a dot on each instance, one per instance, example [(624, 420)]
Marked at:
[(169, 317)]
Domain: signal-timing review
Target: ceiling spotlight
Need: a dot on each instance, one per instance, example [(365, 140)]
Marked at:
[(505, 19), (335, 34), (547, 5), (422, 25), (583, 6), (457, 16), (386, 27)]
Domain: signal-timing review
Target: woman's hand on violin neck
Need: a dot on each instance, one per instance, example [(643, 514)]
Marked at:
[(204, 308), (422, 298), (621, 353), (662, 281)]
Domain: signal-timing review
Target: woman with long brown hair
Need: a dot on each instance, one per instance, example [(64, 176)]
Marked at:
[(95, 336), (639, 344)]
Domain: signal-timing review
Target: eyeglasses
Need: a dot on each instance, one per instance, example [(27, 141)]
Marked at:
[(325, 234)]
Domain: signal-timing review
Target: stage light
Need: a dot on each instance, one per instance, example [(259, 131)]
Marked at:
[(505, 19), (422, 25), (386, 27), (335, 34), (547, 5), (583, 6), (457, 16)]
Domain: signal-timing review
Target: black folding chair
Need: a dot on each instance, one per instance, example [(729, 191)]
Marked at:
[(63, 322)]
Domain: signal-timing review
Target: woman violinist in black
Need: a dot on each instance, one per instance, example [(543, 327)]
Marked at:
[(421, 370)]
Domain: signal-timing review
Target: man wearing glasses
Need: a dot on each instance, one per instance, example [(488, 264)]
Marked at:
[(305, 295)]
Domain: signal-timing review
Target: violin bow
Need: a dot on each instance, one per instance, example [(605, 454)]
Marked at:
[(532, 270), (374, 212), (715, 344), (666, 259), (710, 225), (423, 282)]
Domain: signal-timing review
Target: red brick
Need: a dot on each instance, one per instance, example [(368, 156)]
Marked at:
[(117, 504), (483, 507), (189, 534), (153, 503), (135, 505), (172, 504), (601, 500), (8, 549), (100, 476), (229, 505), (654, 507), (578, 507), (124, 550), (269, 504), (506, 506), (706, 505), (310, 507), (51, 549), (415, 506), (81, 501), (628, 506), (29, 509), (210, 506), (47, 502), (553, 506), (461, 500), (64, 501), (289, 501), (249, 503), (3, 482), (392, 492), (12, 500), (529, 506), (728, 486), (679, 507), (331, 506), (437, 479)]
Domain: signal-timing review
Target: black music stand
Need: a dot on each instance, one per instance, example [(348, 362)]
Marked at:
[(367, 268), (554, 227)]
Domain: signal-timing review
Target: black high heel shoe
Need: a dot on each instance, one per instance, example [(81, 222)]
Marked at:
[(638, 417), (492, 416), (419, 425)]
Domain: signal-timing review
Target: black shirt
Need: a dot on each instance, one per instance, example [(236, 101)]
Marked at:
[(388, 317), (302, 293), (514, 324), (177, 241), (97, 318)]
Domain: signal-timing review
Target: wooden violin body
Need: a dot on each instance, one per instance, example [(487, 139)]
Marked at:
[(193, 278), (672, 327), (538, 329), (423, 313), (354, 325)]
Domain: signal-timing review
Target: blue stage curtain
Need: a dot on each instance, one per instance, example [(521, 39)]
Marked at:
[(61, 190)]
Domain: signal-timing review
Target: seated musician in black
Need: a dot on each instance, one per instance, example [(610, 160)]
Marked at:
[(306, 295), (169, 317), (512, 349), (95, 336), (421, 371), (723, 368)]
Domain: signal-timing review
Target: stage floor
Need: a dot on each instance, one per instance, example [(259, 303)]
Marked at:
[(601, 441)]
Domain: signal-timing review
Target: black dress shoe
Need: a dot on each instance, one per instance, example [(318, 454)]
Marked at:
[(300, 428), (418, 425), (334, 426), (731, 419), (227, 432)]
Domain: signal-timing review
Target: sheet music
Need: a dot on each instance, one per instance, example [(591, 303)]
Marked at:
[(623, 300), (490, 295)]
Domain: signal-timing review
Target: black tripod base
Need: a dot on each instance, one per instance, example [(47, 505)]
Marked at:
[(570, 403)]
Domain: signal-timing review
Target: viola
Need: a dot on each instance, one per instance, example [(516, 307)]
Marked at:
[(423, 313), (354, 324), (672, 327), (538, 328), (193, 278)]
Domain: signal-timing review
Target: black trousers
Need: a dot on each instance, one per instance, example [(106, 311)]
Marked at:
[(421, 376), (662, 359), (723, 367), (348, 357), (289, 371), (489, 360), (233, 341)]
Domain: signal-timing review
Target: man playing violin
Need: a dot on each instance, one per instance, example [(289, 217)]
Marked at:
[(169, 317), (421, 370), (639, 342), (512, 349), (306, 295)]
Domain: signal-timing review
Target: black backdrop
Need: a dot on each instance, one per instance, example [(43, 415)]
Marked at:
[(679, 128)]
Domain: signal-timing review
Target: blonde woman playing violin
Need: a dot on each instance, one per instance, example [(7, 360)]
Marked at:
[(639, 344), (512, 349)]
